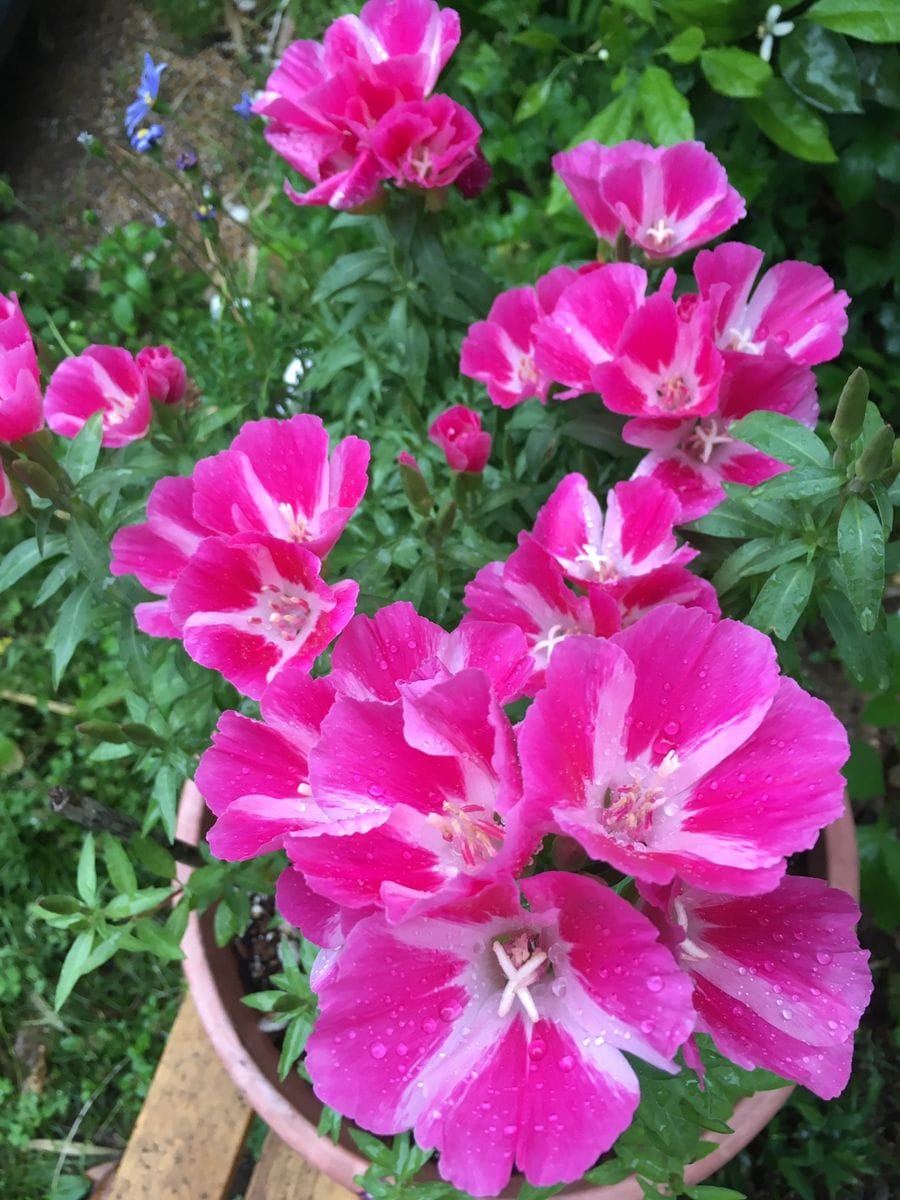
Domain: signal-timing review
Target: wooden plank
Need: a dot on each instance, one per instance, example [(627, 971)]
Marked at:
[(192, 1128), (281, 1174)]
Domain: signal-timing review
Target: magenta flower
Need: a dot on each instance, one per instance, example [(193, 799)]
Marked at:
[(166, 374), (8, 502), (666, 363), (426, 143), (675, 749), (498, 1034), (665, 199), (159, 549), (248, 605), (459, 434), (20, 377), (500, 351), (780, 981), (586, 325), (529, 589), (695, 457), (793, 309), (102, 379), (278, 478)]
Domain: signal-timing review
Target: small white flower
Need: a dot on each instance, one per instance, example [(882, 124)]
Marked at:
[(238, 212), (295, 370), (770, 29), (216, 306), (85, 139)]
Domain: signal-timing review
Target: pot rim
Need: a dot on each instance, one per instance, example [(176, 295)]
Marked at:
[(290, 1108)]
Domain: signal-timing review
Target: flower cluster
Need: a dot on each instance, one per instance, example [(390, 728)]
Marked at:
[(356, 110), (142, 130), (236, 550), (681, 368)]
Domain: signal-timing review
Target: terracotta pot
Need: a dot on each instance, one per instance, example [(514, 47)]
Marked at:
[(289, 1106)]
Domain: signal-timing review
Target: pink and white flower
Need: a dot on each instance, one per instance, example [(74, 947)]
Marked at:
[(665, 199), (666, 363), (20, 377), (166, 374), (586, 324), (459, 434), (780, 981), (426, 143), (248, 605), (695, 457), (675, 748), (498, 1034), (8, 502), (278, 478), (159, 549), (793, 308), (500, 351), (103, 379)]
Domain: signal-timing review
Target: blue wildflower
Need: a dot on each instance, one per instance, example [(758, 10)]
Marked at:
[(145, 137), (148, 90), (206, 212), (187, 160), (244, 106), (159, 221)]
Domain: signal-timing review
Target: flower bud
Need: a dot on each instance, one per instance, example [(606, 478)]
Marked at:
[(851, 409), (876, 455)]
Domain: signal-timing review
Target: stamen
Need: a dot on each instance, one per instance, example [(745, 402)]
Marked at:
[(661, 234), (555, 635), (519, 979), (599, 563), (688, 947)]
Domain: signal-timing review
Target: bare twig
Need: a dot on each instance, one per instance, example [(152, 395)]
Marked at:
[(100, 818)]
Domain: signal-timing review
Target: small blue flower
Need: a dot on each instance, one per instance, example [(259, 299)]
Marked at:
[(145, 137), (206, 212), (187, 160), (159, 221), (147, 93), (244, 107)]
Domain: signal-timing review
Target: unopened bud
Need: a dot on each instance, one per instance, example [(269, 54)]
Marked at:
[(417, 492), (35, 477), (851, 409), (876, 456)]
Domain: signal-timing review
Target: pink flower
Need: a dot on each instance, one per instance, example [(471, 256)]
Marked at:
[(20, 378), (277, 478), (435, 774), (158, 550), (415, 37), (248, 605), (459, 434), (666, 363), (500, 352), (426, 143), (498, 1034), (675, 749), (101, 379), (586, 325), (474, 177), (530, 590), (780, 981), (8, 502), (166, 374), (794, 308), (666, 200), (405, 459), (695, 457)]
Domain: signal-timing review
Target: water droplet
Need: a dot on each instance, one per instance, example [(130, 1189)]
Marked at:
[(537, 1050), (402, 1049), (378, 1050), (450, 1012), (647, 1026), (786, 1013), (823, 957), (654, 983), (509, 1130), (671, 728), (566, 1063)]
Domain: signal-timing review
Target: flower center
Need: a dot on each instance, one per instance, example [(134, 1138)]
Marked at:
[(703, 439), (687, 948), (285, 613), (421, 162), (627, 809), (551, 639), (470, 829), (661, 234), (295, 522), (522, 964), (603, 569), (674, 394), (740, 339), (528, 372)]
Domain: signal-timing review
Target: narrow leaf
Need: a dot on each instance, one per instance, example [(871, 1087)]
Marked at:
[(74, 966), (81, 456), (861, 555), (666, 112), (783, 438), (783, 598), (87, 870)]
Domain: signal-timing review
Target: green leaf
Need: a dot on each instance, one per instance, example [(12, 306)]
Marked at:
[(783, 438), (868, 20), (821, 68), (349, 268), (87, 871), (165, 794), (640, 8), (89, 550), (537, 39), (158, 940), (534, 99), (25, 556), (74, 966), (122, 312), (864, 771), (782, 599), (791, 124), (879, 858), (118, 864), (755, 557), (800, 483), (733, 72), (667, 114), (71, 626), (860, 542), (81, 456), (708, 1191), (685, 46), (865, 655), (143, 901)]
